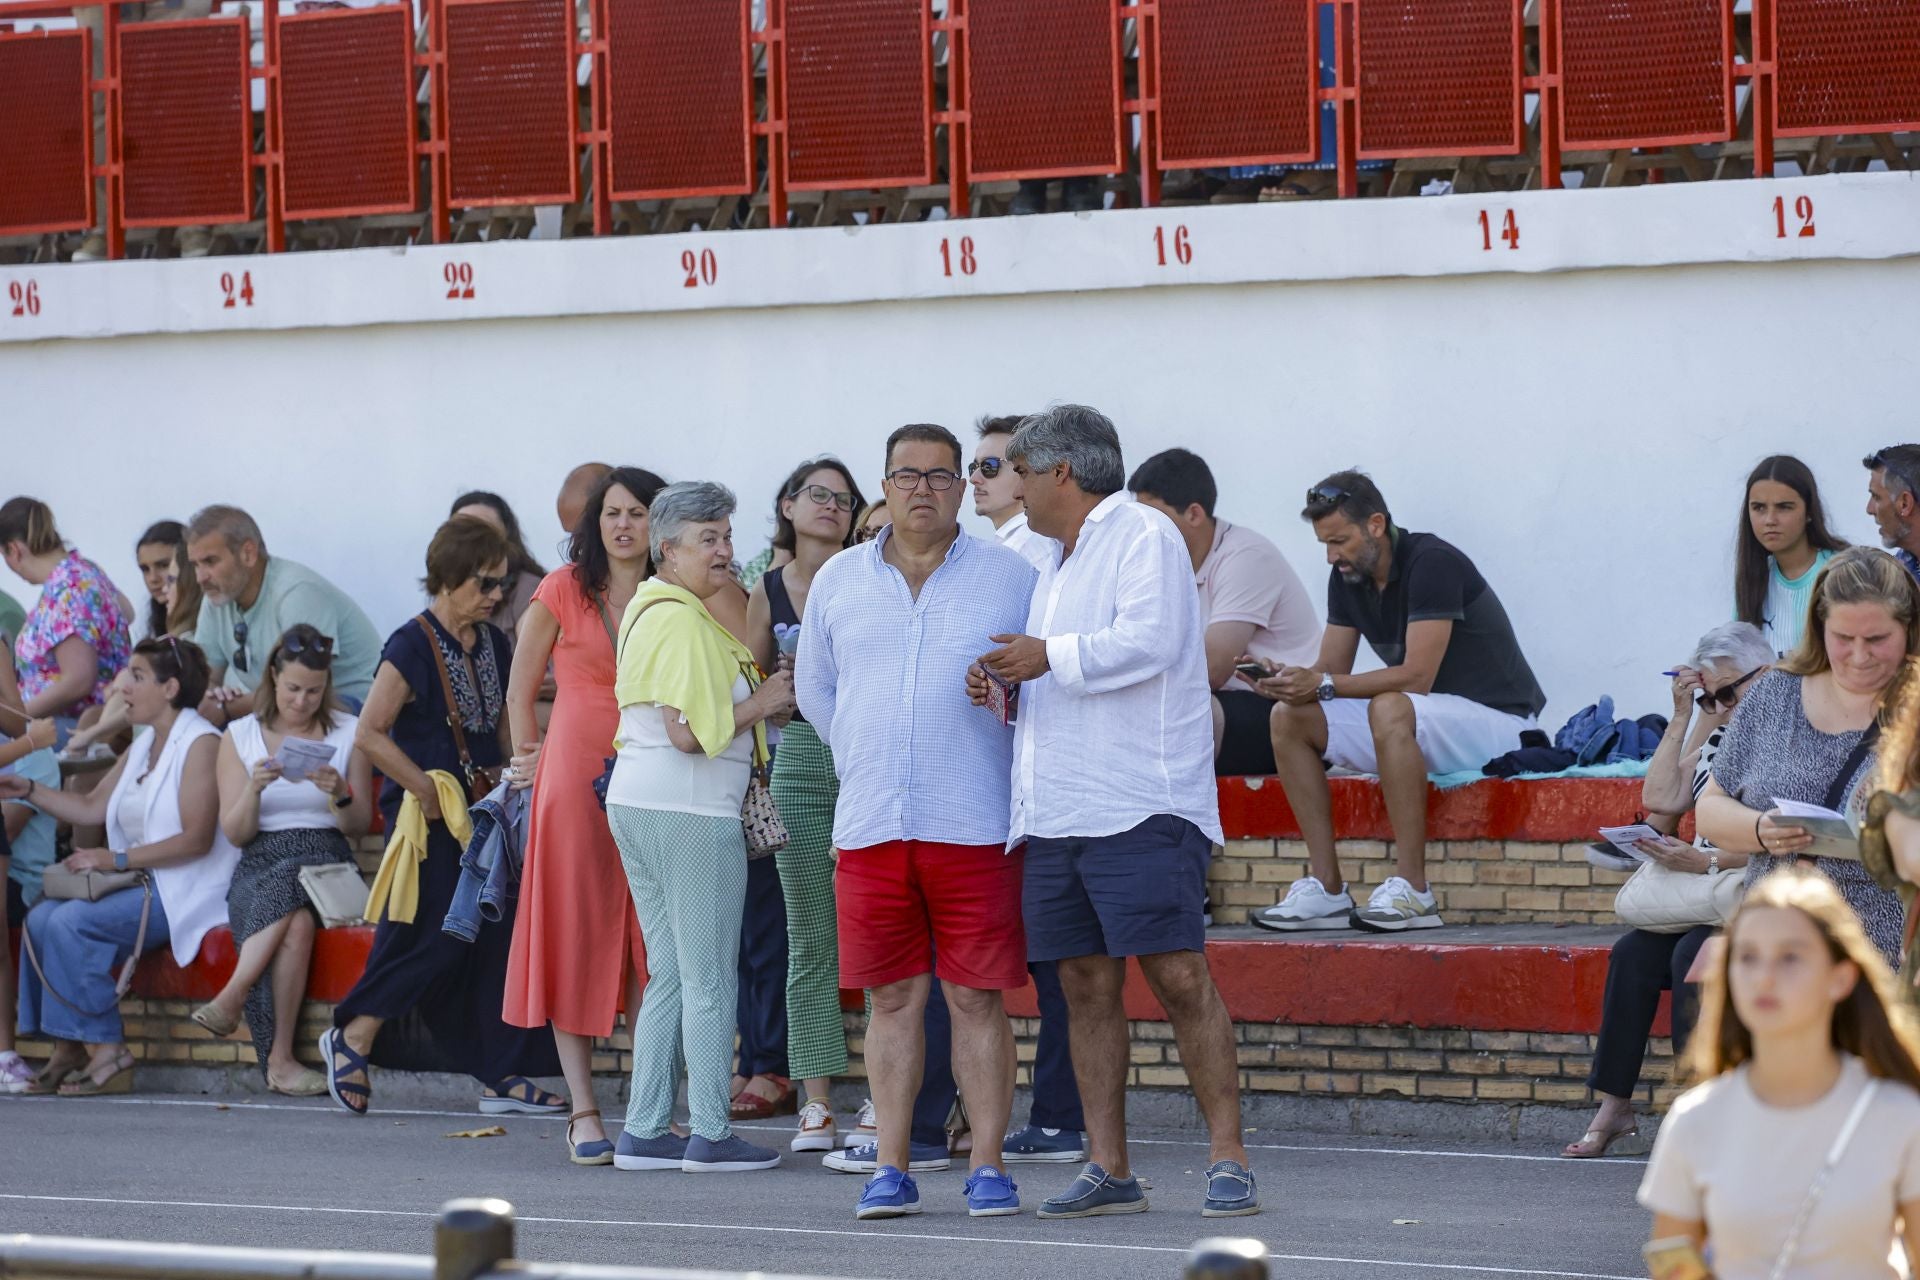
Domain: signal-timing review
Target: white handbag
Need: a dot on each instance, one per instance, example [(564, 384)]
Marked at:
[(337, 891), (1661, 900)]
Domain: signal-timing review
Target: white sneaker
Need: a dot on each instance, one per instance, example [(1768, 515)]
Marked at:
[(1308, 905), (816, 1128), (866, 1129), (1397, 905)]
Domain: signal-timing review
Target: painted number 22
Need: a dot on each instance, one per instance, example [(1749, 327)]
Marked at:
[(459, 280), (968, 264), (24, 297), (1802, 210), (1182, 245), (1509, 230)]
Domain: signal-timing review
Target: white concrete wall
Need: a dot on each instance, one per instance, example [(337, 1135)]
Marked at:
[(1582, 435)]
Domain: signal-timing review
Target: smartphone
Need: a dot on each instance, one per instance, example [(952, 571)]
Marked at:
[(1254, 670), (1675, 1259), (1003, 699)]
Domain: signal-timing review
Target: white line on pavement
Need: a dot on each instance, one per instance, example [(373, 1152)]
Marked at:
[(878, 1235), (1609, 1162)]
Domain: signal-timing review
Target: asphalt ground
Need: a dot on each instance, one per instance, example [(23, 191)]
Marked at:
[(294, 1174)]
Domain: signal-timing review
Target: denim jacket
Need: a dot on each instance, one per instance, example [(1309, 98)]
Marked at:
[(490, 866)]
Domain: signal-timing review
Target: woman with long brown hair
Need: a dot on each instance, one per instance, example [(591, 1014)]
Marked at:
[(1782, 546), (1799, 1152)]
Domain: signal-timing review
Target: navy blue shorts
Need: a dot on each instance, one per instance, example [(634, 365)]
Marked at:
[(1137, 893)]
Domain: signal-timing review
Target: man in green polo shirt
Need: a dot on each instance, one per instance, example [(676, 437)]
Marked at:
[(249, 601)]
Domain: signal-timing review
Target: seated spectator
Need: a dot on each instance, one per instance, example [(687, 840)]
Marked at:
[(872, 519), (690, 732), (180, 597), (435, 724), (1893, 500), (1782, 546), (526, 571), (1645, 963), (280, 825), (26, 850), (76, 638), (1807, 731), (1456, 691), (1796, 1156), (160, 806), (1252, 601), (253, 598), (155, 553)]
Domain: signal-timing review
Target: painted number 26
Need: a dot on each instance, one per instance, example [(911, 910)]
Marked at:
[(24, 297)]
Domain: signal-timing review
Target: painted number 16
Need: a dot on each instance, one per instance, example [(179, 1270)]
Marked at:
[(1181, 245)]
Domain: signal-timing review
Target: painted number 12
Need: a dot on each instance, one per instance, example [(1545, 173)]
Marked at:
[(1802, 210)]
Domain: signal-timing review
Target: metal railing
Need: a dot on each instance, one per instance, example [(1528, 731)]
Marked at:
[(472, 1240)]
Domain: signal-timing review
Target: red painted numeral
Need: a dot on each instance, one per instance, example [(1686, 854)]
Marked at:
[(1802, 209), (1509, 231), (701, 268), (968, 263), (241, 297), (1182, 245), (24, 297), (459, 280)]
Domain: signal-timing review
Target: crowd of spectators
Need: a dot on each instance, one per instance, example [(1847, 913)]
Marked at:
[(974, 762)]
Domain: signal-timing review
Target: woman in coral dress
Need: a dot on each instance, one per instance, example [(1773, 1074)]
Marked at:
[(576, 940)]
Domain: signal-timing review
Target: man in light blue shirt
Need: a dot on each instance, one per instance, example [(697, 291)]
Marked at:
[(924, 883)]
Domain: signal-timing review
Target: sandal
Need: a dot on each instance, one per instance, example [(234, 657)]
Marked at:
[(215, 1020), (51, 1077), (753, 1106), (307, 1083), (597, 1152), (517, 1095), (84, 1084), (1594, 1143), (350, 1094)]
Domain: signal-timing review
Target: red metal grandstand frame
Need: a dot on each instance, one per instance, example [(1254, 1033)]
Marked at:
[(18, 143), (242, 140), (497, 23), (1039, 30), (1867, 55), (341, 24), (1248, 60), (1623, 80), (1439, 118), (669, 130)]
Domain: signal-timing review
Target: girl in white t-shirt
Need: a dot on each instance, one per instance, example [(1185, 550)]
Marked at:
[(1802, 1037)]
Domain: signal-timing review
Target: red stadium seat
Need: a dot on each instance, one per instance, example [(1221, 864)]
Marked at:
[(346, 102), (1239, 82), (1043, 88), (510, 108), (46, 143), (681, 98), (186, 123), (859, 94), (1645, 73), (1846, 66), (1438, 77)]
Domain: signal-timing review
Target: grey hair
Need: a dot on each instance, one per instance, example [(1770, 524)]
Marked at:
[(1738, 643), (231, 523), (677, 506), (1081, 437)]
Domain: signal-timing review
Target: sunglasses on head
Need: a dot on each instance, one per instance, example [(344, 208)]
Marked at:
[(1711, 700), (988, 467), (1323, 498), (313, 651)]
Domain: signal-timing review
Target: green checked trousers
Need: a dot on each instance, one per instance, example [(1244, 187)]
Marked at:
[(805, 788)]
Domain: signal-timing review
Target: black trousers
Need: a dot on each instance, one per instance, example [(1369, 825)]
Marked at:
[(761, 1008), (1643, 965)]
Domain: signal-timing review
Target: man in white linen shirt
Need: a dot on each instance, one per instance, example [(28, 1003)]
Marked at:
[(1113, 791), (925, 883)]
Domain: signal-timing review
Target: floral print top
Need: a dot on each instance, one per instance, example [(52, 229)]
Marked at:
[(76, 600)]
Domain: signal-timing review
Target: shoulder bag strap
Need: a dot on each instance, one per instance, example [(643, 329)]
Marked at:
[(125, 981), (1838, 1149), (606, 620), (1837, 793), (446, 692)]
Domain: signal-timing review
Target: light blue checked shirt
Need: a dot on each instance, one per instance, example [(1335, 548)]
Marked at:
[(883, 678)]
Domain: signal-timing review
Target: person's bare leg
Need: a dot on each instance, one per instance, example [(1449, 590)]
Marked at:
[(291, 963), (1299, 747), (1403, 783), (576, 1064), (256, 953), (1097, 1034), (1203, 1029), (983, 1066), (896, 1056)]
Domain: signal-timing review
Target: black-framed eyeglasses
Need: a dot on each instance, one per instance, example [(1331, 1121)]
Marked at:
[(820, 495), (1711, 700), (240, 659), (488, 585), (1323, 498), (907, 479), (988, 467)]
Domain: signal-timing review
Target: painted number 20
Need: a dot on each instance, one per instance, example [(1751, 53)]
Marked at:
[(1509, 230), (968, 264), (1802, 210), (701, 268), (24, 297)]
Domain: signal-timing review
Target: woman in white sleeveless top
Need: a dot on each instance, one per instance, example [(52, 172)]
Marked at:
[(286, 808), (161, 808)]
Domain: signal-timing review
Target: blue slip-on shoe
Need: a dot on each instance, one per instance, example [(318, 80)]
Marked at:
[(1034, 1145), (991, 1194), (728, 1155), (923, 1157), (664, 1152), (889, 1193), (1096, 1192), (1230, 1191), (599, 1151)]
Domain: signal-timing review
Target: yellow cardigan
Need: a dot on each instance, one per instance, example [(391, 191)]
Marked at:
[(396, 887), (677, 655)]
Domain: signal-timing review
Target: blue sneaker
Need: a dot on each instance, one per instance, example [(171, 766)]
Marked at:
[(923, 1157), (888, 1194), (663, 1152), (991, 1194), (1096, 1192), (1034, 1145), (728, 1155), (1230, 1191)]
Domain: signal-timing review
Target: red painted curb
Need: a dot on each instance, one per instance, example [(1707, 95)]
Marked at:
[(1548, 811)]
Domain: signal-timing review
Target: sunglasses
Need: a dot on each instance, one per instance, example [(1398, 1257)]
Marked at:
[(868, 533), (822, 496), (1323, 498), (988, 467), (487, 585), (907, 479), (240, 659), (1711, 700), (315, 651)]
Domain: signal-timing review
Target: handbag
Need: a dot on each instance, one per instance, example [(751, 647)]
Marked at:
[(1834, 1152), (480, 780), (62, 882), (1662, 900), (337, 891), (760, 820)]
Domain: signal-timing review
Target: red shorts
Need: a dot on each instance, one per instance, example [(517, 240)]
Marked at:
[(912, 907)]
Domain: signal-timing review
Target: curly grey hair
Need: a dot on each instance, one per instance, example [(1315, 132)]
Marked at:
[(681, 505), (1738, 644), (1081, 437)]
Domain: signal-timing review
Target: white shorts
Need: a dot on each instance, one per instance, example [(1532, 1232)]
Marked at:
[(1455, 734)]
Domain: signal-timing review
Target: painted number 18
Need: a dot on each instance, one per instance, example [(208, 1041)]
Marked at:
[(1509, 230), (1802, 210), (967, 263)]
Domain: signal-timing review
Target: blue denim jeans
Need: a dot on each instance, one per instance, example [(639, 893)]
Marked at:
[(82, 945)]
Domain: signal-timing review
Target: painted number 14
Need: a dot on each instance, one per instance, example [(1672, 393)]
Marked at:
[(1509, 230)]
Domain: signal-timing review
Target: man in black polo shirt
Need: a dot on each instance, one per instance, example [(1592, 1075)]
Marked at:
[(1454, 693)]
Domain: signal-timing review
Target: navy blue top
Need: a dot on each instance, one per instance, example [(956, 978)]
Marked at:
[(479, 688)]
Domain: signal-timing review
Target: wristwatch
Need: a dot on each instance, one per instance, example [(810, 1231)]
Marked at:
[(1713, 862), (341, 802), (1325, 692), (120, 860)]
